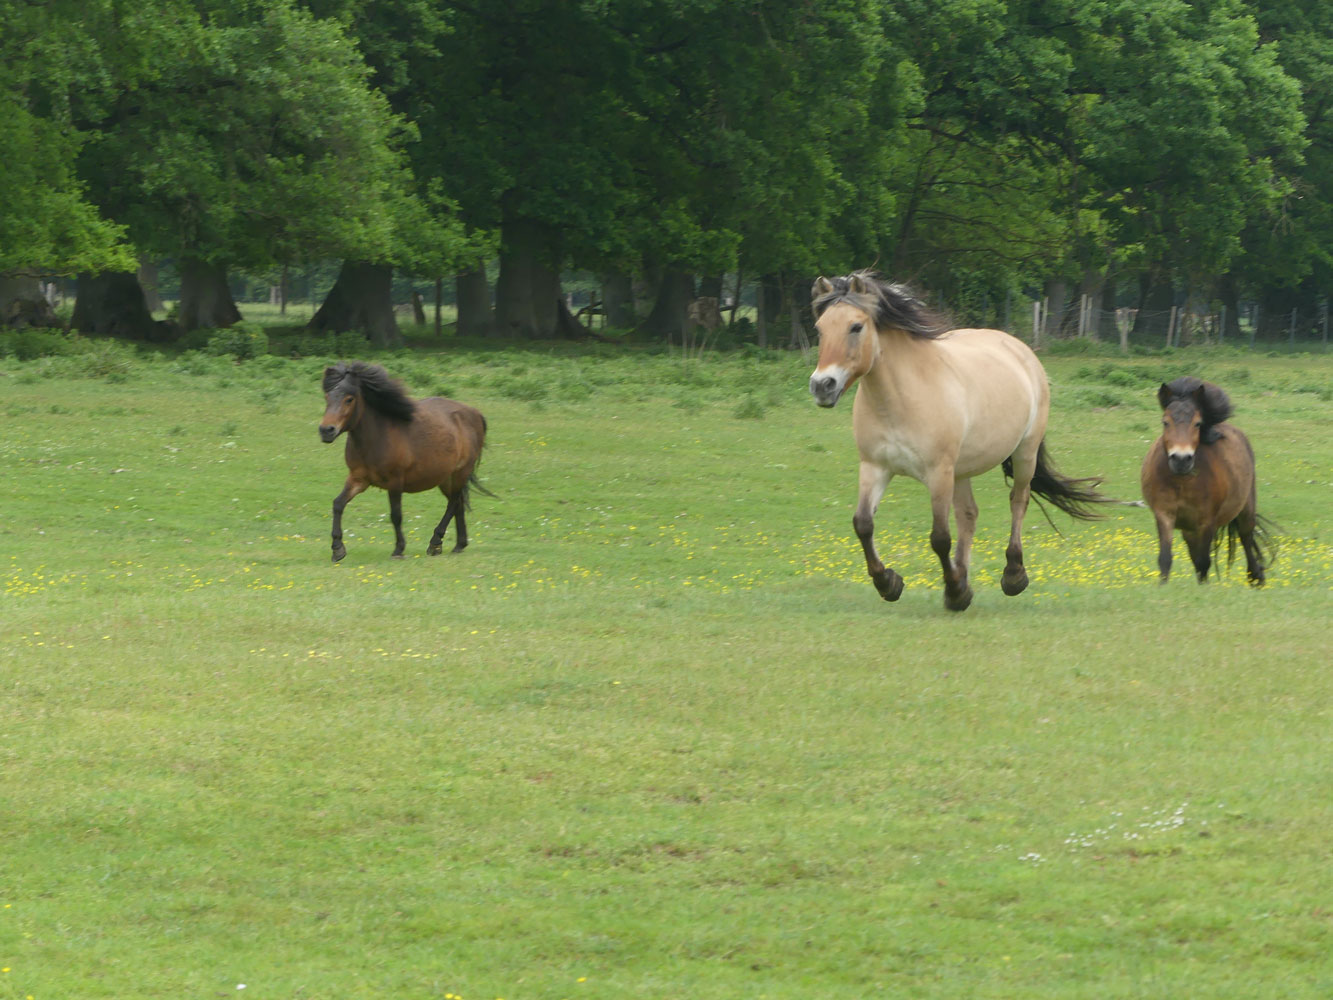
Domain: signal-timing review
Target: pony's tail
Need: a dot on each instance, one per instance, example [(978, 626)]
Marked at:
[(473, 483), (1073, 496)]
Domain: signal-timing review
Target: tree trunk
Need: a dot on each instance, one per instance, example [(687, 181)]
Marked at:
[(1229, 293), (439, 306), (361, 300), (148, 282), (23, 304), (1107, 328), (768, 304), (418, 309), (618, 299), (475, 316), (206, 300), (528, 287), (671, 310), (1155, 301), (1057, 295), (112, 304), (800, 311)]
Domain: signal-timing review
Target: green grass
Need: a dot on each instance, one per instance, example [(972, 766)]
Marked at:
[(653, 734)]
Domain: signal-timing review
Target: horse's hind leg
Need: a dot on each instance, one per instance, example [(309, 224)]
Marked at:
[(957, 594), (460, 522), (1015, 578), (396, 516), (1254, 561), (874, 481), (455, 511), (437, 539), (350, 489)]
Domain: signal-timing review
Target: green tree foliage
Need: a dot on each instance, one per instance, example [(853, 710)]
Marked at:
[(47, 223)]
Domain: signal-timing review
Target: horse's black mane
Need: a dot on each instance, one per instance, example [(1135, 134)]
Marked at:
[(891, 305), (1212, 403), (382, 394)]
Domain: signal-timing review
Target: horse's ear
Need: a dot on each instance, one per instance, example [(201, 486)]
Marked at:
[(857, 283), (331, 376), (1200, 397), (822, 286), (1163, 395)]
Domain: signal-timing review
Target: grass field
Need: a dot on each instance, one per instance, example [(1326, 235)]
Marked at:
[(654, 734)]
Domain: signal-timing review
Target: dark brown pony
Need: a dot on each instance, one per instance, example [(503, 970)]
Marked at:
[(1199, 477), (400, 445)]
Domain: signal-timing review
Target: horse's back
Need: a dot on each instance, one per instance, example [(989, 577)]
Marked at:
[(1002, 387), (448, 437)]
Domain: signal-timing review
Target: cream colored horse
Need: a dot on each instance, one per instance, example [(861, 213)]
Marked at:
[(940, 406)]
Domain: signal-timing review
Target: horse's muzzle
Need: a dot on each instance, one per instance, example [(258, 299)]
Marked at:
[(327, 433), (1181, 465), (827, 389)]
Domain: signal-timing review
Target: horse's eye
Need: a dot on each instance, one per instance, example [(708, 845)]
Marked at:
[(857, 327)]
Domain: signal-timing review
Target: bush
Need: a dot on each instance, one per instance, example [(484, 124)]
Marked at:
[(27, 344), (243, 341)]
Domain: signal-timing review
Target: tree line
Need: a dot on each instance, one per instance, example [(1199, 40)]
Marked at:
[(1150, 152)]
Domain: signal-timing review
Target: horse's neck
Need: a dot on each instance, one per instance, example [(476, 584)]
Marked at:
[(371, 429), (894, 379)]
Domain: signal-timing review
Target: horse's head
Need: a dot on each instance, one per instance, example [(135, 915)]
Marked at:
[(342, 399), (848, 345), (1182, 422)]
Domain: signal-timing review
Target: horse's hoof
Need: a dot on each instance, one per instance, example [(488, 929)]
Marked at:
[(959, 602), (889, 585), (434, 549), (458, 548), (1014, 584), (395, 555), (339, 553)]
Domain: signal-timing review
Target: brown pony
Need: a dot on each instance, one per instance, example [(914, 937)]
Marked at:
[(1199, 477), (941, 406), (400, 445)]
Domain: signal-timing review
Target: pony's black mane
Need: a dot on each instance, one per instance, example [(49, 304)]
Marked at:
[(382, 394), (890, 304), (1214, 408)]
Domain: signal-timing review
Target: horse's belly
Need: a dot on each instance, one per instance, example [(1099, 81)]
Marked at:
[(896, 456)]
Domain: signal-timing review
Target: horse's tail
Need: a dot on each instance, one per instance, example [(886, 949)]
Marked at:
[(1073, 496), (472, 481)]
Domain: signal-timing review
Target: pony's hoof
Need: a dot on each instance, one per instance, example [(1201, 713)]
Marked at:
[(958, 602), (339, 553), (889, 585), (434, 549), (458, 548), (395, 555), (1257, 581), (1014, 584)]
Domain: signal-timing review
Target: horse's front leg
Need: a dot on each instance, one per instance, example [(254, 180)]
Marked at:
[(396, 517), (1166, 526), (957, 594), (1200, 544), (874, 481), (350, 489)]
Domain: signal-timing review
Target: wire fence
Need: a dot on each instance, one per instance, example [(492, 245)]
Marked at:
[(1250, 326)]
